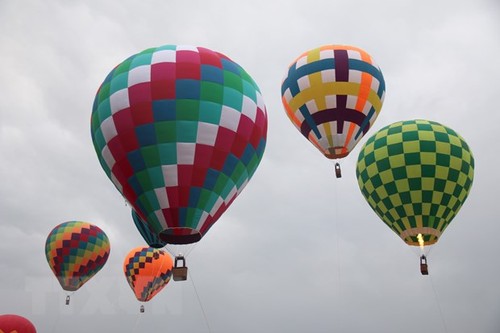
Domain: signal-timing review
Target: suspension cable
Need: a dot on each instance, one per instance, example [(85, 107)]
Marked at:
[(199, 302), (443, 321)]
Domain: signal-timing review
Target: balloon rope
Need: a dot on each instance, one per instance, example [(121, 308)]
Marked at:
[(337, 230), (199, 302), (58, 315), (190, 249), (169, 250), (56, 322), (439, 306), (336, 214), (136, 325)]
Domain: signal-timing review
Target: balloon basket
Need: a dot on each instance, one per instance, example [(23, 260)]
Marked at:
[(423, 265), (179, 271), (338, 172)]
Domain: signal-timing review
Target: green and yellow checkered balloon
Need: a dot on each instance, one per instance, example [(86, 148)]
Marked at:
[(416, 175)]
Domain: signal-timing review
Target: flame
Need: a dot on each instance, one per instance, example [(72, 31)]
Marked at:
[(421, 242)]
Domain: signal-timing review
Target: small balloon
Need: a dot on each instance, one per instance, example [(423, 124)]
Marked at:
[(148, 271), (75, 252)]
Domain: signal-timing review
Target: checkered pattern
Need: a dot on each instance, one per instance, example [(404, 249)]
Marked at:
[(333, 94), (416, 176), (179, 130), (147, 234), (148, 270), (76, 251)]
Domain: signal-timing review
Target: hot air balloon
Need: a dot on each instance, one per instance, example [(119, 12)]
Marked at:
[(333, 94), (149, 236), (179, 130), (11, 323), (76, 251), (416, 175), (148, 270)]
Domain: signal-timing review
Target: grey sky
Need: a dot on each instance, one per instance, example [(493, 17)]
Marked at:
[(298, 251)]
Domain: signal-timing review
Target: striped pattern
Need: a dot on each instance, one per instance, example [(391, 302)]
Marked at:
[(416, 176), (333, 94), (148, 270), (179, 130), (76, 251), (147, 234)]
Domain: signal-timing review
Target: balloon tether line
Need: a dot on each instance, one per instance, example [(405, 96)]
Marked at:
[(174, 254), (439, 306), (56, 321), (337, 241), (136, 325), (199, 302)]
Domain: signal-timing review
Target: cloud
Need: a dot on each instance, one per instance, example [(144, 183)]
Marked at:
[(299, 250)]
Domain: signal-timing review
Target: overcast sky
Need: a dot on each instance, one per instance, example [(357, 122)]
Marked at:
[(299, 250)]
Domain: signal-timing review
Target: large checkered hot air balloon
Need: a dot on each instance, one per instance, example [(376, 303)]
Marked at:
[(75, 252), (179, 130), (333, 94), (416, 175)]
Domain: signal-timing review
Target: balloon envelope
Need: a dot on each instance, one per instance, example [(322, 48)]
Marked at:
[(76, 251), (179, 130), (333, 94), (11, 323), (416, 176), (148, 270), (151, 238)]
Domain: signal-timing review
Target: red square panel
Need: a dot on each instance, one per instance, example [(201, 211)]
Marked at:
[(225, 139), (140, 92), (164, 89), (163, 71), (209, 57), (116, 149), (184, 174), (218, 159), (142, 113), (188, 71), (203, 155), (199, 175)]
